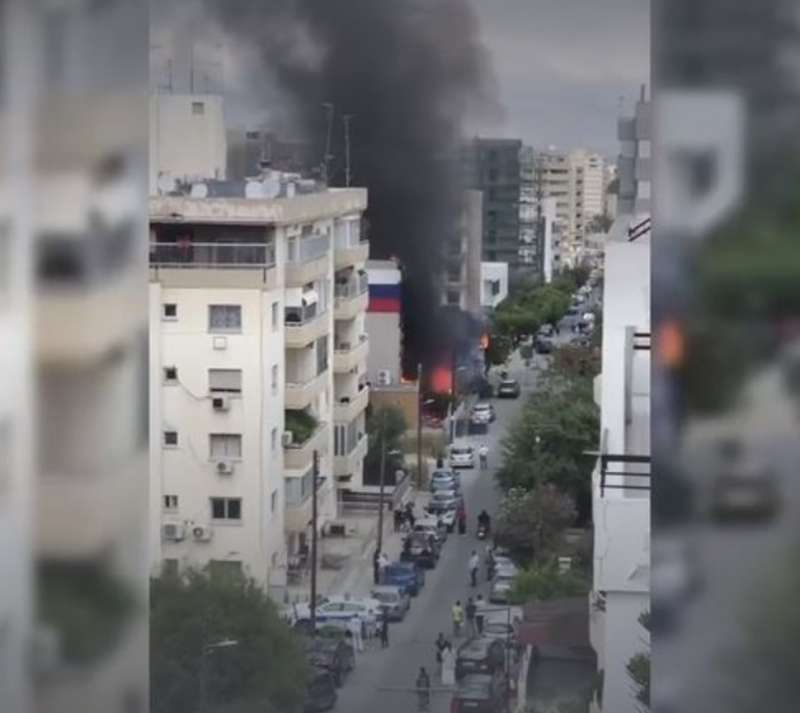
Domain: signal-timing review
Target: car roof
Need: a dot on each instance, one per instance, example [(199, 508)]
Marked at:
[(482, 405), (508, 382), (476, 646), (387, 589), (474, 684)]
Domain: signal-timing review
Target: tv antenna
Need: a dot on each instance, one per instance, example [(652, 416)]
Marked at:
[(346, 119), (326, 160)]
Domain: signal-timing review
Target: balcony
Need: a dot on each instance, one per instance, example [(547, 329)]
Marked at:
[(308, 259), (304, 325), (353, 253), (351, 299), (299, 456), (190, 264), (299, 395), (348, 411), (347, 356), (297, 515), (348, 464)]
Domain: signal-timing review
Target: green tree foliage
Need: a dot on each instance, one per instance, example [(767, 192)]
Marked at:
[(576, 362), (533, 306), (531, 523), (545, 582), (638, 668), (389, 423), (266, 672), (500, 348), (301, 424)]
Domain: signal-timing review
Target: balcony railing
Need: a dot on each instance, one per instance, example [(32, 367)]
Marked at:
[(353, 288), (298, 316), (614, 478), (310, 248), (190, 255)]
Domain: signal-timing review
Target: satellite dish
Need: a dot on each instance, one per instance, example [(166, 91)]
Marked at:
[(166, 183), (199, 190), (271, 187)]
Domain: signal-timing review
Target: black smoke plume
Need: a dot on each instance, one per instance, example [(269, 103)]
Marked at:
[(409, 72)]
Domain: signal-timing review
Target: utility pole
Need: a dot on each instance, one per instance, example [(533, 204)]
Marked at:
[(191, 69), (419, 426), (382, 482), (346, 119), (313, 606), (326, 160)]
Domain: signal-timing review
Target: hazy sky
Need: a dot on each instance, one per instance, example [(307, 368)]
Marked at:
[(562, 66)]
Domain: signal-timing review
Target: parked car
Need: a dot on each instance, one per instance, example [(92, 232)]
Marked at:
[(405, 575), (480, 654), (321, 692), (503, 631), (543, 345), (334, 655), (508, 389), (338, 611), (547, 331), (445, 479), (393, 599), (462, 456), (432, 525), (482, 413), (500, 589), (744, 486), (421, 549), (572, 312), (481, 693)]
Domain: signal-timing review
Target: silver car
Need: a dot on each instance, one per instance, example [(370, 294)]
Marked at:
[(393, 599)]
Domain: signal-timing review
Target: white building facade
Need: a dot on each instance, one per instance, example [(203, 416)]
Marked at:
[(251, 300), (494, 284), (461, 280)]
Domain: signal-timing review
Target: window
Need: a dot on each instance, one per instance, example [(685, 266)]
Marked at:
[(274, 379), (275, 324), (198, 108), (453, 298), (170, 374), (225, 445), (273, 439), (253, 135), (226, 508), (224, 569), (169, 311), (171, 439), (224, 318), (170, 502), (322, 355), (225, 381), (492, 255), (274, 500), (453, 274)]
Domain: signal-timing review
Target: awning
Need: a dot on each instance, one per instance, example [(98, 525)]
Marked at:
[(310, 297), (294, 297)]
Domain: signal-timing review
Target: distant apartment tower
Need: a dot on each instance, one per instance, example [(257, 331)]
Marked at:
[(461, 286), (256, 312), (634, 169), (551, 240), (187, 139), (493, 166), (531, 234)]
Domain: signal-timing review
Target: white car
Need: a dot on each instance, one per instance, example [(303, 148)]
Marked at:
[(339, 610), (462, 456), (482, 414)]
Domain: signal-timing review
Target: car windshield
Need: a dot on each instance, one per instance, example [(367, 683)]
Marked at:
[(509, 383), (463, 451), (385, 596), (481, 407)]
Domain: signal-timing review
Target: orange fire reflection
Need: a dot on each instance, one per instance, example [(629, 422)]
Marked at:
[(441, 380)]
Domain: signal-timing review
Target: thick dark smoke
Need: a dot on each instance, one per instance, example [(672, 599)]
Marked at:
[(410, 72)]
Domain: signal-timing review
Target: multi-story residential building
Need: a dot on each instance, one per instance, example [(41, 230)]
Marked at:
[(257, 361), (634, 164), (494, 284), (551, 240), (461, 280), (493, 166), (531, 237), (187, 139), (621, 502)]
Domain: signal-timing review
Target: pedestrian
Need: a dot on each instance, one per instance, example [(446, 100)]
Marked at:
[(385, 629), (474, 563), (448, 666), (489, 564), (376, 568), (461, 516), (483, 453), (423, 686), (458, 618), (354, 626), (440, 643), (470, 611), (398, 519), (383, 563), (480, 605), (410, 519)]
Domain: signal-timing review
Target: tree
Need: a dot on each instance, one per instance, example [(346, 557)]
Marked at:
[(532, 522), (599, 223), (545, 582), (388, 421), (577, 362), (500, 347), (264, 672), (638, 668)]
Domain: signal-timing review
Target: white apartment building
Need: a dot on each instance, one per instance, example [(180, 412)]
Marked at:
[(551, 239), (494, 284), (257, 360), (621, 481), (462, 276), (187, 139)]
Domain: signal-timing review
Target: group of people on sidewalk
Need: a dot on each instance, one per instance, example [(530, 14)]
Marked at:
[(357, 631), (473, 614)]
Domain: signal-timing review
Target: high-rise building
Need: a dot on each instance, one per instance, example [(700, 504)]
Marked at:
[(258, 358), (461, 279)]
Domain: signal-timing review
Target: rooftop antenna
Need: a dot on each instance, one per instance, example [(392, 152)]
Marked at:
[(326, 161), (346, 119)]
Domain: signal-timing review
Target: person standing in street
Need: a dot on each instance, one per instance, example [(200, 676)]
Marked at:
[(376, 568), (354, 626), (480, 605), (398, 519), (448, 666), (385, 629), (383, 563), (470, 611), (458, 618), (474, 563), (483, 454), (440, 644), (489, 564), (461, 517), (423, 686)]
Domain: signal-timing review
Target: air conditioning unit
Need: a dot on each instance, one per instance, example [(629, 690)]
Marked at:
[(221, 403), (224, 467), (173, 531), (287, 439), (384, 377), (201, 533)]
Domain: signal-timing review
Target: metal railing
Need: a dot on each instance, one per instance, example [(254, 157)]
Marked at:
[(353, 288), (191, 255), (620, 477), (345, 347), (311, 248), (300, 316)]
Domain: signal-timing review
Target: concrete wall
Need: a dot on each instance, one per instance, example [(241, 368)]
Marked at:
[(384, 346), (405, 398)]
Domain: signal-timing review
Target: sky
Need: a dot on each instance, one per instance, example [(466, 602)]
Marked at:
[(562, 66)]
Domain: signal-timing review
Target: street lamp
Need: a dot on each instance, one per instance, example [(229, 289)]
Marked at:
[(208, 649)]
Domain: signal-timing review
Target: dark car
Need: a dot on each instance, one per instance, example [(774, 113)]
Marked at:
[(481, 654), (421, 549), (508, 389), (405, 574), (331, 654), (543, 345), (321, 692), (481, 693), (744, 486)]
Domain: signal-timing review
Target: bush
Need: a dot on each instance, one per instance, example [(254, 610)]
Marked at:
[(302, 425), (545, 582)]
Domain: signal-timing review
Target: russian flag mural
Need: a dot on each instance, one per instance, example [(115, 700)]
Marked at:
[(384, 290)]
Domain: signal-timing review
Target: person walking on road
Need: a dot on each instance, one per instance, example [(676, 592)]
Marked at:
[(440, 644), (458, 618), (383, 563), (385, 629), (398, 519), (423, 686), (470, 611), (474, 563), (480, 605), (354, 626), (489, 564), (483, 454), (461, 516), (448, 666)]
